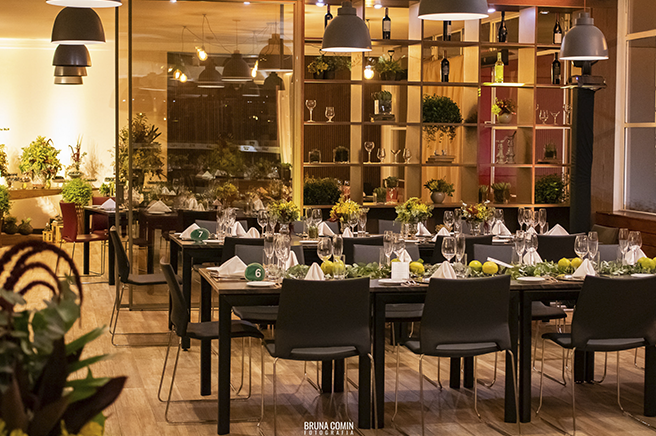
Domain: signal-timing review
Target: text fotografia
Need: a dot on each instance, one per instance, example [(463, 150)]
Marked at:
[(323, 428)]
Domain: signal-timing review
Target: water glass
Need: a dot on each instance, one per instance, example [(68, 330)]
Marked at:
[(448, 248), (531, 242), (498, 215), (624, 242), (399, 245), (448, 219), (362, 222), (282, 247), (353, 221), (460, 247), (457, 220), (316, 216), (542, 219), (325, 248), (520, 217), (339, 267), (263, 219), (593, 245), (388, 245), (338, 246), (581, 246), (268, 247), (520, 245), (635, 242)]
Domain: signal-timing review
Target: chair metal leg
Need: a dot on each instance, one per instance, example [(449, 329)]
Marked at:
[(494, 378), (166, 358), (635, 360), (619, 402), (537, 413), (421, 391), (113, 324), (603, 377)]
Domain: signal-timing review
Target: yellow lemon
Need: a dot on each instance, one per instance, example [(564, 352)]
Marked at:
[(417, 268), (475, 265), (564, 263), (490, 268), (396, 260), (327, 267), (576, 262), (646, 263)]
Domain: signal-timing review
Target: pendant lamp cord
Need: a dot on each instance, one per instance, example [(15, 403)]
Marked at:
[(237, 35)]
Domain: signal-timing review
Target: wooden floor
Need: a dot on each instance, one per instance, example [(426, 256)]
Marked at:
[(449, 412)]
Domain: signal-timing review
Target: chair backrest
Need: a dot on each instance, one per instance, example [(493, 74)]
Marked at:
[(608, 252), (607, 235), (412, 249), (98, 221), (554, 248), (188, 217), (333, 225), (300, 254), (466, 311), (350, 242), (387, 225), (207, 224), (179, 313), (326, 314), (122, 262), (612, 308), (366, 253), (470, 241), (230, 243), (69, 215), (250, 253), (498, 252)]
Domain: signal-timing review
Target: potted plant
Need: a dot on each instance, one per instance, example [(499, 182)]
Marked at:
[(439, 189), (4, 162), (146, 152), (226, 193), (380, 195), (392, 183), (77, 191), (5, 203), (73, 170), (412, 212), (382, 102), (320, 191), (9, 225), (550, 153), (483, 191), (314, 156), (39, 161), (550, 189), (440, 110), (341, 154), (388, 69), (318, 67), (501, 192), (504, 109)]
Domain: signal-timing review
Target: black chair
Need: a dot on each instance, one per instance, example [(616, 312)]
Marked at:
[(554, 248), (230, 243), (611, 315), (183, 327), (350, 242), (464, 318), (499, 252), (127, 278), (188, 217), (337, 327), (608, 252), (388, 225), (607, 235), (366, 253), (470, 241), (207, 224), (255, 253)]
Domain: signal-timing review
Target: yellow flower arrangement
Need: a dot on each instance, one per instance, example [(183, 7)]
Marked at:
[(342, 210), (285, 212), (476, 213), (413, 211)]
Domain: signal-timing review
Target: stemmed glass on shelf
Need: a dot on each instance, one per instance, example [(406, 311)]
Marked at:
[(623, 238), (369, 146), (542, 219), (555, 116), (310, 104), (520, 245), (325, 248), (388, 244), (381, 154), (395, 153), (330, 113), (593, 245), (544, 116), (448, 219), (448, 247), (407, 154), (581, 246)]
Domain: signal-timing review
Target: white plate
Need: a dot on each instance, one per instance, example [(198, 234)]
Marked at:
[(530, 279), (213, 241), (308, 241), (503, 236), (262, 284), (157, 212), (641, 275), (569, 278), (392, 281), (411, 240)]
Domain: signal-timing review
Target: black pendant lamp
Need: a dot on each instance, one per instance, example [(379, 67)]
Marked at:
[(75, 26), (71, 56), (453, 10), (274, 81), (236, 69), (68, 80), (250, 90), (584, 41), (210, 76), (270, 58), (85, 3), (346, 32)]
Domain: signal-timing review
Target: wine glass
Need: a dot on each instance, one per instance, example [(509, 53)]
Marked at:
[(369, 146), (388, 244), (623, 238), (353, 221), (544, 116), (498, 215), (555, 115), (330, 113), (457, 220), (489, 220), (593, 245), (520, 245), (268, 247), (338, 246), (448, 219), (581, 246), (316, 216), (362, 221), (399, 245), (529, 218), (531, 242), (542, 219), (282, 246), (263, 219), (310, 104), (635, 242), (448, 248), (460, 247), (395, 153), (567, 109), (520, 217), (381, 154), (407, 154), (324, 248)]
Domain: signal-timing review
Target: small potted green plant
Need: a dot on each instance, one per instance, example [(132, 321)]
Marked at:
[(388, 68), (504, 109), (73, 170), (483, 191), (318, 67), (550, 189), (439, 189), (440, 110), (392, 185), (4, 162), (5, 203), (77, 191), (550, 153), (10, 225), (501, 192), (39, 161), (314, 156), (321, 191), (341, 154), (382, 102), (380, 194)]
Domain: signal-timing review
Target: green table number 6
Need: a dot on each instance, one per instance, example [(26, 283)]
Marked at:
[(254, 272)]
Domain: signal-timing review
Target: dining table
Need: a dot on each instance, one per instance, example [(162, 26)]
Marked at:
[(522, 294)]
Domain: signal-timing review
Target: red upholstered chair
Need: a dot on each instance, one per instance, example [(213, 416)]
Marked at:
[(99, 223), (70, 231)]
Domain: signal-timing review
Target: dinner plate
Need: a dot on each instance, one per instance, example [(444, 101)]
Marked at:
[(308, 241), (411, 240), (262, 284), (641, 275), (530, 279), (569, 278), (157, 212), (213, 241), (392, 281)]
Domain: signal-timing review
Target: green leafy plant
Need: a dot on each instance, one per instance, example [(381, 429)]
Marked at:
[(318, 65), (501, 191), (321, 191), (341, 154), (438, 109), (76, 158), (413, 211), (10, 226), (381, 193), (503, 106), (41, 391), (226, 193), (382, 96), (550, 189), (4, 162), (440, 185), (224, 158), (39, 159), (146, 151), (107, 189), (388, 65), (5, 203), (336, 63), (77, 191), (391, 182), (25, 228), (285, 212), (482, 193)]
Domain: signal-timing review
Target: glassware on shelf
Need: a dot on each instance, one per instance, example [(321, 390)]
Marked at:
[(395, 153), (500, 156), (407, 154), (555, 116), (544, 116), (310, 104), (330, 113), (510, 151), (381, 154), (369, 146), (314, 156), (567, 109)]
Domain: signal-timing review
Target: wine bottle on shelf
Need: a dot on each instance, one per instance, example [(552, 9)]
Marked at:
[(557, 32), (387, 25), (498, 69), (503, 30), (555, 70), (327, 18), (446, 31), (445, 68)]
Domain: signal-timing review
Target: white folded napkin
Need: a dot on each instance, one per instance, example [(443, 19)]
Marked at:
[(585, 269), (258, 205), (158, 206), (315, 273), (400, 270), (232, 267), (193, 204), (237, 230), (445, 271), (405, 256), (347, 233), (532, 258), (531, 231), (633, 256), (207, 176), (324, 230), (292, 260), (187, 233), (108, 205), (165, 191), (500, 229), (252, 233), (422, 230), (557, 230), (443, 232)]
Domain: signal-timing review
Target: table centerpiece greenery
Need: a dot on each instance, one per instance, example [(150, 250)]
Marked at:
[(413, 211), (284, 212), (343, 209), (39, 161), (226, 193), (476, 214)]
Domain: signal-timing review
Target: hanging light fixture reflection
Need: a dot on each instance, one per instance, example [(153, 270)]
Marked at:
[(85, 3), (270, 59), (346, 32), (453, 10), (274, 81), (210, 76), (236, 69), (75, 26), (250, 90)]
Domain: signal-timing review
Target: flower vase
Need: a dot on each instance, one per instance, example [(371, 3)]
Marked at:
[(412, 230), (475, 228), (438, 197), (343, 226), (504, 118), (392, 195)]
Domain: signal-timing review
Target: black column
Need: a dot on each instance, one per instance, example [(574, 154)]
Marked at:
[(581, 174)]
